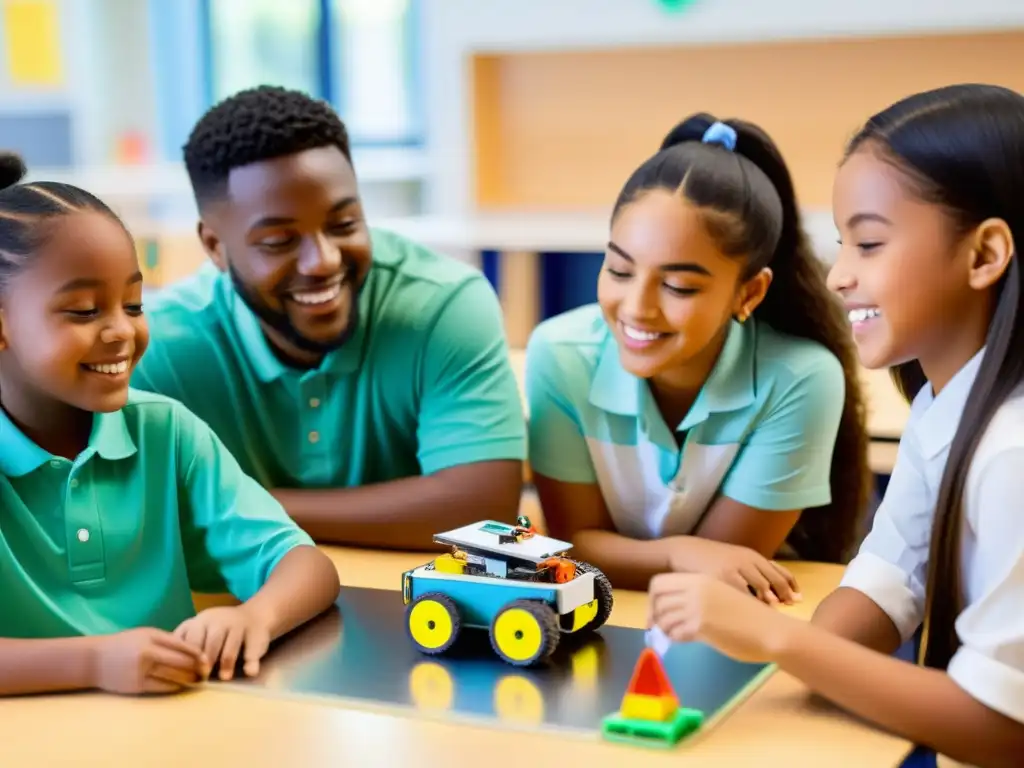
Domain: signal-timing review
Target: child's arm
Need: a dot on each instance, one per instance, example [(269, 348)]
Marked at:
[(45, 666), (302, 585), (136, 661), (577, 512), (851, 614), (235, 533), (974, 710), (924, 705), (880, 602)]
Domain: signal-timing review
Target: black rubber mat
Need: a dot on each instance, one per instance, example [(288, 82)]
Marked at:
[(361, 652)]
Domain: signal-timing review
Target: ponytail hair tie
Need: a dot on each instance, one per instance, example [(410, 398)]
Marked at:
[(720, 133)]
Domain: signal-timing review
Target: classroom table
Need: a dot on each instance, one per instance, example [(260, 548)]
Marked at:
[(218, 725)]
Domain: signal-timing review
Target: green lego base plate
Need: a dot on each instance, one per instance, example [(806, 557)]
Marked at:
[(652, 732)]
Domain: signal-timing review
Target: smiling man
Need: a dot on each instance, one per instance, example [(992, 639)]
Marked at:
[(361, 377)]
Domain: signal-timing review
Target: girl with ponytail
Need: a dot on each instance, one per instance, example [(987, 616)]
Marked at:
[(704, 416), (929, 201)]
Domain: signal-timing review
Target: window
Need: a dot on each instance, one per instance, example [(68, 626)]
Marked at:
[(375, 74), (358, 54), (256, 42)]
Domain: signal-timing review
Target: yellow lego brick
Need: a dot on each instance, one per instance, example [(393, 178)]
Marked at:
[(448, 564), (637, 706)]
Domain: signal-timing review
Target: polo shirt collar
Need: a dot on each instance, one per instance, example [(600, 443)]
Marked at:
[(109, 440), (936, 418), (729, 387), (267, 366), (110, 436), (612, 389)]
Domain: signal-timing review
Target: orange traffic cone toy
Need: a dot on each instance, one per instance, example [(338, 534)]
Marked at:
[(650, 711)]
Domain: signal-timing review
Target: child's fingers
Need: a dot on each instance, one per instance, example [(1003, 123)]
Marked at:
[(738, 580), (194, 633), (756, 580), (788, 576), (670, 601), (794, 587), (671, 581), (213, 645), (677, 626), (182, 658), (779, 583), (256, 646), (158, 685), (175, 675), (229, 653), (182, 645)]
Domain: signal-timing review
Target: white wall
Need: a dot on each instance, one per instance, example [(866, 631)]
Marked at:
[(454, 29)]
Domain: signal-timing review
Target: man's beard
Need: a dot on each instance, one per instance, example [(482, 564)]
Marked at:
[(282, 324)]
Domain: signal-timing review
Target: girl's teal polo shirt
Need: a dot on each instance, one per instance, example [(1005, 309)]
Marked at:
[(153, 509), (761, 431)]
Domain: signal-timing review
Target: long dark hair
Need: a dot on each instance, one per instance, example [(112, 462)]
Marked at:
[(961, 148), (758, 218)]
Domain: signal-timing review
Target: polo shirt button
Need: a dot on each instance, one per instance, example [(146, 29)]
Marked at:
[(314, 402), (55, 464), (73, 483), (314, 437), (83, 535)]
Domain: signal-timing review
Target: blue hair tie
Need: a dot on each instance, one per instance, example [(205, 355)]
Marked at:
[(720, 133)]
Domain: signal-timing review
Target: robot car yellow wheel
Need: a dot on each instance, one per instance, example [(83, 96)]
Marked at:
[(525, 632), (432, 621)]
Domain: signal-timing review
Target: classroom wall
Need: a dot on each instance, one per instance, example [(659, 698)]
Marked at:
[(562, 130), (40, 94), (455, 30), (103, 85), (115, 51)]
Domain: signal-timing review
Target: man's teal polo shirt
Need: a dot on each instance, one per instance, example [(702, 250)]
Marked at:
[(425, 383)]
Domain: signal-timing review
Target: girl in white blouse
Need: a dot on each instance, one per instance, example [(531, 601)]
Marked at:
[(929, 202)]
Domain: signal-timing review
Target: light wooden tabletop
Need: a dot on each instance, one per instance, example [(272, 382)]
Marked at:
[(216, 725)]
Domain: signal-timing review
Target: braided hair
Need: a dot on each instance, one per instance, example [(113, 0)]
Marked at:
[(28, 213)]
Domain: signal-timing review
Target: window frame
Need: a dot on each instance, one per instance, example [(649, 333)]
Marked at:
[(328, 86)]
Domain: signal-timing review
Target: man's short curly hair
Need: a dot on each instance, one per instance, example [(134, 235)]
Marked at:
[(254, 125)]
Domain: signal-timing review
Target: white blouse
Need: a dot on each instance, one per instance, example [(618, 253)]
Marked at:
[(891, 566)]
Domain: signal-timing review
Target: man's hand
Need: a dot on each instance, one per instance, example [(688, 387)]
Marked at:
[(225, 633)]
